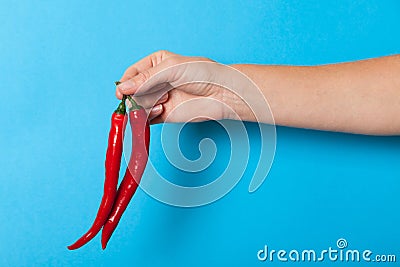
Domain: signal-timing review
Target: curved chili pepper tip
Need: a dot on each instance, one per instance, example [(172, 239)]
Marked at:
[(105, 237), (108, 230)]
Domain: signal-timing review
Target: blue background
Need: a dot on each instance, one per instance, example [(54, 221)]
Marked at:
[(58, 63)]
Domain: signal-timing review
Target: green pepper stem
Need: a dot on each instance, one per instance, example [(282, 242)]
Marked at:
[(121, 109), (134, 106)]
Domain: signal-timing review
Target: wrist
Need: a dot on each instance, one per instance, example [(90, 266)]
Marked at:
[(235, 107)]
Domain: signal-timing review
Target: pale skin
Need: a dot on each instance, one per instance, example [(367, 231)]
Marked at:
[(357, 97)]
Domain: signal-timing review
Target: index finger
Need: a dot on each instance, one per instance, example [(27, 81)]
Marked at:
[(145, 63)]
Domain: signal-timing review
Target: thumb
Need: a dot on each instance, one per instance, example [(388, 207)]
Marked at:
[(152, 79)]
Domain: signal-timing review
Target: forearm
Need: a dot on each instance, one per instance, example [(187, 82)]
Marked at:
[(359, 97)]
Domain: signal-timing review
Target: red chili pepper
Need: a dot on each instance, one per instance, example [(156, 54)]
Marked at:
[(137, 163), (112, 166)]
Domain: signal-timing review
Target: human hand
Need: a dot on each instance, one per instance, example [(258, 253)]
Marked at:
[(163, 82)]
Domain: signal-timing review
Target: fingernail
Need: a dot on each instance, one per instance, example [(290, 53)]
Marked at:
[(165, 96), (157, 109), (129, 84)]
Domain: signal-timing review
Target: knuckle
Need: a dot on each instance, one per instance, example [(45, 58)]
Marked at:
[(163, 53), (157, 57)]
